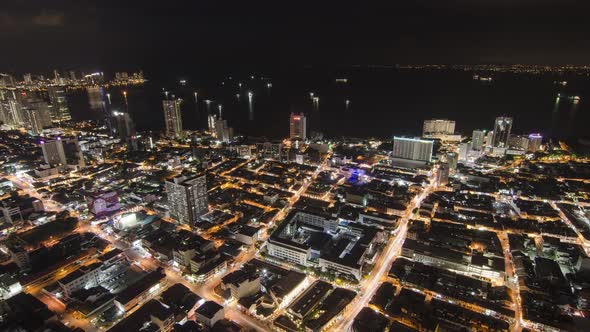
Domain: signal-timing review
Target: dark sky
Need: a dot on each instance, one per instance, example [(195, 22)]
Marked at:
[(40, 35)]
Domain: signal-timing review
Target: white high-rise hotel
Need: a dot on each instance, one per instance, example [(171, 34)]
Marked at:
[(412, 149)]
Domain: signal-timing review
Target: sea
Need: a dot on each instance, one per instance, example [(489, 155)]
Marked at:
[(353, 102)]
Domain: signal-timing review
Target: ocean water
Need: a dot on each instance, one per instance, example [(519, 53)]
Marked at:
[(381, 102)]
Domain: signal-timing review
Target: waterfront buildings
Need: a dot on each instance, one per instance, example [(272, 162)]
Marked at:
[(172, 117), (502, 129), (298, 127), (60, 110)]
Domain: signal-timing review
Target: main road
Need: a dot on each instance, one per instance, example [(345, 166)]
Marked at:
[(390, 253)]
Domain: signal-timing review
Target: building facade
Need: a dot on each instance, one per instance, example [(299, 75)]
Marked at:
[(60, 111), (535, 141), (412, 149), (187, 198), (477, 140), (298, 127), (502, 129), (63, 152), (172, 117), (438, 127)]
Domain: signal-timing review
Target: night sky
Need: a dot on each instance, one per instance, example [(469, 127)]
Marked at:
[(41, 35)]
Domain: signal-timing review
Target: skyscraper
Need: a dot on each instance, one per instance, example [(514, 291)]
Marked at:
[(452, 160), (37, 115), (438, 127), (488, 139), (96, 98), (298, 127), (518, 142), (11, 112), (535, 141), (73, 152), (211, 118), (59, 104), (28, 79), (53, 152), (477, 140), (187, 198), (172, 117), (442, 176), (56, 76), (223, 132), (6, 81), (413, 149), (63, 152), (464, 150), (502, 128), (122, 126)]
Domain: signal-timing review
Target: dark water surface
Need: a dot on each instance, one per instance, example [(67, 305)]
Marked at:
[(382, 102)]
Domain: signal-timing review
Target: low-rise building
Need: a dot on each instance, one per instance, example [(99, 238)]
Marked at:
[(209, 313), (181, 300), (241, 283), (247, 234), (85, 277), (152, 316), (9, 286), (140, 290), (309, 299)]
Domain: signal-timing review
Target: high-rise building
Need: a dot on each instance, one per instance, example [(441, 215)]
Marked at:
[(33, 121), (298, 127), (73, 152), (211, 118), (72, 75), (438, 127), (53, 152), (63, 152), (56, 76), (122, 126), (172, 117), (413, 149), (187, 198), (96, 98), (477, 140), (464, 150), (487, 143), (37, 115), (28, 79), (59, 104), (452, 160), (535, 141), (518, 142), (6, 81), (3, 112), (502, 128), (442, 175), (223, 132), (11, 112)]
